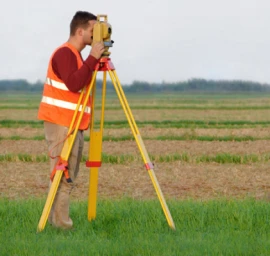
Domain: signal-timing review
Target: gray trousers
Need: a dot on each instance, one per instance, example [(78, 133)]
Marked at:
[(54, 134)]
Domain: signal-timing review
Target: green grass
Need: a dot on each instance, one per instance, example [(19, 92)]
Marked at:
[(20, 123), (159, 138), (225, 158), (221, 158), (145, 107), (133, 227), (181, 100), (157, 124)]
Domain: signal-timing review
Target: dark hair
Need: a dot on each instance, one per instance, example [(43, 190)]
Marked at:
[(80, 19)]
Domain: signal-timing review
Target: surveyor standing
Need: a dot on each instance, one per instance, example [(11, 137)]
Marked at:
[(67, 74)]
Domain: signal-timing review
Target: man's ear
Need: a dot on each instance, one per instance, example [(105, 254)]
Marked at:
[(80, 31)]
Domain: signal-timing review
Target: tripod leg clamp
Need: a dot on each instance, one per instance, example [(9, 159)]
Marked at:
[(93, 163), (61, 165), (149, 166)]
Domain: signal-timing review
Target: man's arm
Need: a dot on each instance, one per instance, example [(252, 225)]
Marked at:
[(64, 64)]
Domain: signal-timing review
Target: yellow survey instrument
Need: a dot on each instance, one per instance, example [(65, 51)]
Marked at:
[(102, 33)]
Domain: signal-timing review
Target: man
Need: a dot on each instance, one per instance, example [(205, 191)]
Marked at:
[(67, 74)]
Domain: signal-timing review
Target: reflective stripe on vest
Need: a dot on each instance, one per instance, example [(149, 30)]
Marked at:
[(56, 84), (63, 104)]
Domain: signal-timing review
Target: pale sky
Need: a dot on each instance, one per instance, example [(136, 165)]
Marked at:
[(155, 41)]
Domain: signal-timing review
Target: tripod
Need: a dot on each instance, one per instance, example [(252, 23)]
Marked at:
[(105, 65)]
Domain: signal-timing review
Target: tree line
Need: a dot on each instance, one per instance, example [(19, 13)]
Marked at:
[(192, 85)]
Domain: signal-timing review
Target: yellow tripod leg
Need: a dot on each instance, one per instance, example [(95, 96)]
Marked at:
[(54, 186), (49, 201), (155, 183), (94, 164), (95, 156), (138, 139), (65, 154)]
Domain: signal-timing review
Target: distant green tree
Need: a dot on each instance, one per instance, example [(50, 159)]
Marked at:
[(192, 85)]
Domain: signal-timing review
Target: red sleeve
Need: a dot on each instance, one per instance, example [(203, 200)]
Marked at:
[(64, 64)]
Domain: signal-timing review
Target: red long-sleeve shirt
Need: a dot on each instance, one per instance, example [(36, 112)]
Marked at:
[(64, 64)]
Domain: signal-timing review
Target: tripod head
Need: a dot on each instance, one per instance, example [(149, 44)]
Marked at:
[(102, 33)]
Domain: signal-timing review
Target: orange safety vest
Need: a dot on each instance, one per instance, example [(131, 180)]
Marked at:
[(58, 103)]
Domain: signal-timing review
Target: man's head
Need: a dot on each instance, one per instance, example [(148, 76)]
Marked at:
[(82, 25)]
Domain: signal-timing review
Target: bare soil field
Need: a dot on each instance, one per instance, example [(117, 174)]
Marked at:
[(149, 131), (177, 180), (157, 114), (153, 147)]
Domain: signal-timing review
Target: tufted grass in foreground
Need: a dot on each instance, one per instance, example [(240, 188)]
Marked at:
[(133, 227), (221, 158), (159, 138), (5, 123)]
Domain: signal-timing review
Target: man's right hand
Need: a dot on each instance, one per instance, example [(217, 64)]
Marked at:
[(97, 50)]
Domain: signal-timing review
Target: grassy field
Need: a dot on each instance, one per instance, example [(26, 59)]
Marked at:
[(129, 227), (211, 155)]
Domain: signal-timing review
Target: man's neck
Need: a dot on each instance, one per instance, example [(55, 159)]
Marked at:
[(79, 46)]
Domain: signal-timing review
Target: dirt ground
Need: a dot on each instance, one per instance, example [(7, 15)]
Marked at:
[(177, 180), (153, 147), (160, 114), (149, 131)]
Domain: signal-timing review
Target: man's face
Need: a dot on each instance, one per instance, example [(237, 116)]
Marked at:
[(88, 33)]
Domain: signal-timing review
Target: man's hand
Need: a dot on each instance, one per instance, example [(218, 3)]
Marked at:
[(97, 50)]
